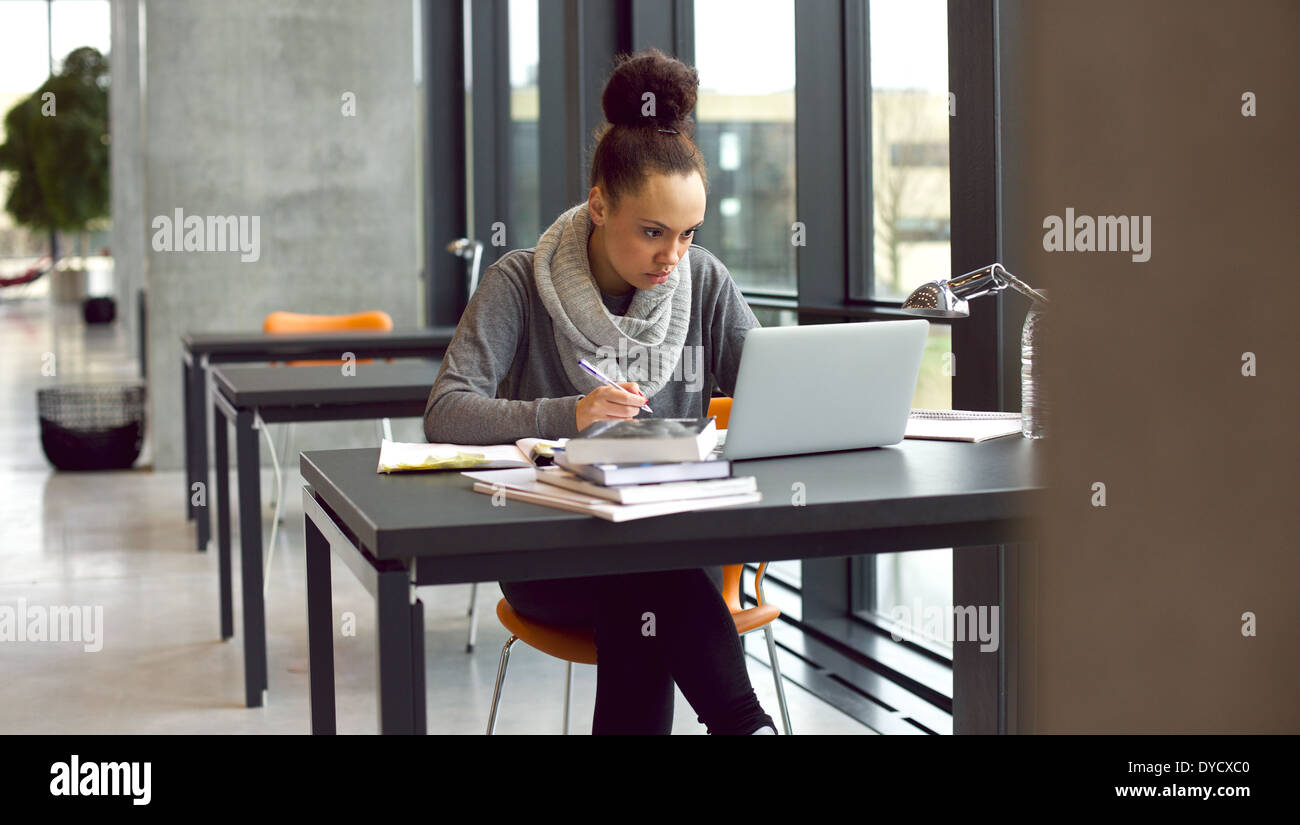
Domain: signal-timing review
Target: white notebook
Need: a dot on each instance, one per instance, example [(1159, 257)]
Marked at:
[(961, 425), (522, 485)]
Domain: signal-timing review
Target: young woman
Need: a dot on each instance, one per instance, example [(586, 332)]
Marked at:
[(616, 280)]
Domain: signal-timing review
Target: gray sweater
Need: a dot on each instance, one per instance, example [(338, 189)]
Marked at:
[(501, 378)]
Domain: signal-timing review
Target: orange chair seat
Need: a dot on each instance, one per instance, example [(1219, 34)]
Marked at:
[(574, 644), (293, 323), (577, 644)]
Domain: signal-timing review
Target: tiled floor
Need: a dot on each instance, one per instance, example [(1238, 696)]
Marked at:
[(119, 541)]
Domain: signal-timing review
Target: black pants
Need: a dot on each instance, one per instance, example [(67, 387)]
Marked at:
[(653, 629)]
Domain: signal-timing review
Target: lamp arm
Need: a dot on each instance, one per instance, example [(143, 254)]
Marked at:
[(1005, 279)]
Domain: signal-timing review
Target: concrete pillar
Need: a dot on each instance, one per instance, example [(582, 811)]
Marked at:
[(1134, 614), (126, 115), (248, 113)]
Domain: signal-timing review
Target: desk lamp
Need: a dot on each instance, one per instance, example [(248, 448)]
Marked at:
[(471, 251), (947, 299)]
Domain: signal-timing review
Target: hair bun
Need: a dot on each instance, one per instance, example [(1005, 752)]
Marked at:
[(674, 86)]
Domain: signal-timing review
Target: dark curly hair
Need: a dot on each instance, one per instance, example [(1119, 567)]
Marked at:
[(648, 128)]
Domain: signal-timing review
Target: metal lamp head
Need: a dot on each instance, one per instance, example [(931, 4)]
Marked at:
[(471, 251), (463, 247), (948, 299), (935, 300)]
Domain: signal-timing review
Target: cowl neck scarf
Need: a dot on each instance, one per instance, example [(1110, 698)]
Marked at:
[(644, 346)]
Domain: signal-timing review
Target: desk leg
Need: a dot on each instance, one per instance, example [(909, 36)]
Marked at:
[(320, 631), (396, 659), (220, 436), (199, 438), (983, 687), (187, 420), (421, 709), (248, 468)]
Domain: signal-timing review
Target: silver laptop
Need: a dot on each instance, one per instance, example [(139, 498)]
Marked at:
[(824, 387)]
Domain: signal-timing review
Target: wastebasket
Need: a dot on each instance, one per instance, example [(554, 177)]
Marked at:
[(92, 426)]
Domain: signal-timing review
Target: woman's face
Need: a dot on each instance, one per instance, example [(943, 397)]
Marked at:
[(638, 244)]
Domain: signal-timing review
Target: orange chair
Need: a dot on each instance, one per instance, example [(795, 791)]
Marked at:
[(579, 645), (292, 323)]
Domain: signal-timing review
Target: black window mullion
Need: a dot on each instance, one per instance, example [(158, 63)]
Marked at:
[(445, 216), (821, 153), (668, 25), (490, 90), (684, 30), (579, 42), (980, 383), (860, 240)]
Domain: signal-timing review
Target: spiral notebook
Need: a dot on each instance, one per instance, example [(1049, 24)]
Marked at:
[(961, 425)]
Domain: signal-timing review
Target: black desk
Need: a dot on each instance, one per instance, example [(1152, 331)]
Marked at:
[(199, 351), (398, 531), (281, 394)]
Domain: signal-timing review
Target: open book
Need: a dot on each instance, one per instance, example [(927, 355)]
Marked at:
[(399, 456)]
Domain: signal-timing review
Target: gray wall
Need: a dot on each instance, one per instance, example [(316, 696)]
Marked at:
[(1131, 613), (242, 116)]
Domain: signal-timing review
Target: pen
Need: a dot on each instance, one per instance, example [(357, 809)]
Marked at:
[(582, 362)]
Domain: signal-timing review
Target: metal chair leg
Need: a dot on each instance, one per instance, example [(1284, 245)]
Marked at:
[(568, 694), (776, 674), (501, 678), (275, 462), (278, 484), (473, 618), (284, 463)]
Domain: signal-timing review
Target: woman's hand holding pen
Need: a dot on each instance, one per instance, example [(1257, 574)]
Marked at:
[(606, 402)]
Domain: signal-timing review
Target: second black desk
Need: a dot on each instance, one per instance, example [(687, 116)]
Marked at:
[(252, 396)]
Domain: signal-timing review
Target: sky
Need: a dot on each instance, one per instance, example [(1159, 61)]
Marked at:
[(24, 37)]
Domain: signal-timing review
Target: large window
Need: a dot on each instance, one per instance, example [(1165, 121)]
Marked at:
[(909, 147), (745, 121), (911, 230)]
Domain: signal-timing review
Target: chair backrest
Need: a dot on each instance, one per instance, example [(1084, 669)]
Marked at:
[(720, 408), (293, 322), (289, 323)]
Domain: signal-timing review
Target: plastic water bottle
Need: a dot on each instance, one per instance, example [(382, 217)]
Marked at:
[(1033, 407)]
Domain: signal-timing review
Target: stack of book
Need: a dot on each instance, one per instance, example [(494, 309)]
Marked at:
[(624, 470)]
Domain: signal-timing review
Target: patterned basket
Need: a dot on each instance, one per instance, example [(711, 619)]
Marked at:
[(92, 426)]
